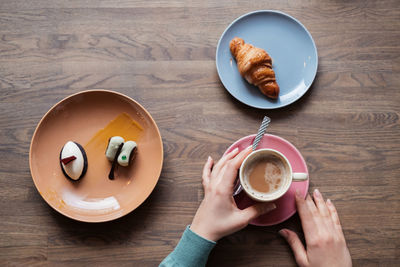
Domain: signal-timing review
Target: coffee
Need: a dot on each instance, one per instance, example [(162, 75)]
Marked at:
[(266, 174)]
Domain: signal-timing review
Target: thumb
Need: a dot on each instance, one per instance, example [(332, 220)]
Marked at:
[(258, 209), (299, 252)]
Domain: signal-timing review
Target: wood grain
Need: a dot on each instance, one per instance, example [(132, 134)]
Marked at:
[(162, 53)]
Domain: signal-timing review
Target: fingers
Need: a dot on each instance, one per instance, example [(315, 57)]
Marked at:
[(311, 205), (294, 242), (302, 206), (233, 166), (320, 217), (237, 161), (334, 216), (333, 212), (307, 212), (320, 203), (207, 171), (256, 210), (224, 159)]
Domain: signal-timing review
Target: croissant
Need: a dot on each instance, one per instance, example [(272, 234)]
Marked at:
[(255, 65)]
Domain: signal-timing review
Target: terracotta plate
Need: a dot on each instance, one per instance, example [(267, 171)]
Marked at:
[(88, 118)]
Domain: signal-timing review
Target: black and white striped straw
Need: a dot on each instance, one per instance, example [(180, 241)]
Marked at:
[(261, 131)]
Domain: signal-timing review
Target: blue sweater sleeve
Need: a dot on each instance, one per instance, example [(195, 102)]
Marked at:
[(192, 250)]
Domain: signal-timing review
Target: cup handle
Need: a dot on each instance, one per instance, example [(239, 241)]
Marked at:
[(300, 176)]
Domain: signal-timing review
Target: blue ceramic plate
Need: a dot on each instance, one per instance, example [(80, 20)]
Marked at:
[(287, 41)]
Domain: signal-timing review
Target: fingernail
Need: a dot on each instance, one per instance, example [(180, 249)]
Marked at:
[(317, 193), (282, 232), (209, 158), (235, 150), (328, 201)]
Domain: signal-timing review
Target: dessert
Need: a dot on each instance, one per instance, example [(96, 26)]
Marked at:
[(112, 147), (255, 65), (119, 152), (73, 161), (127, 153)]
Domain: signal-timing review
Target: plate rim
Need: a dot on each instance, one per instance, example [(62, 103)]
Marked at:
[(267, 11), (123, 213)]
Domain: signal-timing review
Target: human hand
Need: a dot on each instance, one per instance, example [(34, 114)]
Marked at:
[(218, 215), (325, 241)]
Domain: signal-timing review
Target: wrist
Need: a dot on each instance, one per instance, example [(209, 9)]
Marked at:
[(203, 232)]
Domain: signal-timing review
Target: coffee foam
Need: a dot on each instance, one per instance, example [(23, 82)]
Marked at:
[(275, 169)]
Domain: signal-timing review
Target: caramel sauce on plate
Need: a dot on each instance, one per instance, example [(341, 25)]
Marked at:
[(123, 125)]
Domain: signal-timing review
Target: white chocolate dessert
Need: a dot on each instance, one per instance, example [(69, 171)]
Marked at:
[(112, 147), (119, 152), (127, 153), (73, 160)]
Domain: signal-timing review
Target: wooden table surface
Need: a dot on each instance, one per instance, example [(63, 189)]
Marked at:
[(162, 54)]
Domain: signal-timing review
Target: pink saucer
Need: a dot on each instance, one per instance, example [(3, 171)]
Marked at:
[(286, 205)]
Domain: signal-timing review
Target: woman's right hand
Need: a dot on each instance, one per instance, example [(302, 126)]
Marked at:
[(326, 245), (218, 215)]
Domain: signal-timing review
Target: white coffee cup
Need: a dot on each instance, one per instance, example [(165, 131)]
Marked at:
[(287, 179)]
